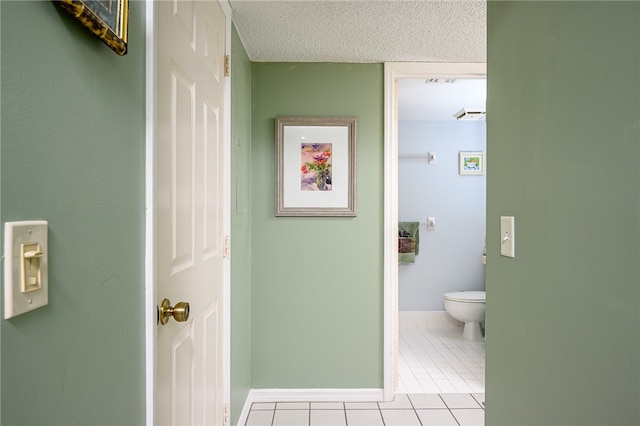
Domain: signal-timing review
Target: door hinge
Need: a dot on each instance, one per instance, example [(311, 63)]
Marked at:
[(227, 247), (227, 65), (226, 414)]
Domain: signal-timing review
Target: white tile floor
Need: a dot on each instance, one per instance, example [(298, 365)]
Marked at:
[(405, 410), (441, 382), (439, 361)]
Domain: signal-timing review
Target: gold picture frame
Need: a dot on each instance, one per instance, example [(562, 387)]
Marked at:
[(315, 166), (108, 19)]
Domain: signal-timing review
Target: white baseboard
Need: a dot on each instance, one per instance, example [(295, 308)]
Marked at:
[(308, 395), (426, 320)]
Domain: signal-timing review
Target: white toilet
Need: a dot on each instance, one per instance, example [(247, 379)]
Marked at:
[(468, 307)]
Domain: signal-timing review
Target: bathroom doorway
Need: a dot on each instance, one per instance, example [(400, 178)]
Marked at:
[(438, 119), (416, 325)]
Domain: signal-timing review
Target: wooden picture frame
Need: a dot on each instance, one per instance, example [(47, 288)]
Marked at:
[(108, 19), (315, 166)]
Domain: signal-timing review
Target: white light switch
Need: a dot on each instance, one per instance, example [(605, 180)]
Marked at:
[(25, 267), (507, 236), (431, 223)]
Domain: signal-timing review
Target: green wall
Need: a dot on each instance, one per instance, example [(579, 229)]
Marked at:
[(317, 283), (563, 346), (72, 141), (240, 226)]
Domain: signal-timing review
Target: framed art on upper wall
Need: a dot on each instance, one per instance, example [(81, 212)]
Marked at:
[(471, 163), (315, 166), (108, 19)]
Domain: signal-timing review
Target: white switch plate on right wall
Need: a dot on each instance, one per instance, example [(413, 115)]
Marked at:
[(507, 236)]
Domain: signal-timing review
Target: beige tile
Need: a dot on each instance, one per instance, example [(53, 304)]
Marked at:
[(460, 400), (361, 405), (292, 406), (479, 397), (400, 418), (260, 418), (469, 417), (327, 406), (426, 401), (328, 418), (440, 417), (364, 418), (399, 402), (291, 418), (263, 406), (444, 386)]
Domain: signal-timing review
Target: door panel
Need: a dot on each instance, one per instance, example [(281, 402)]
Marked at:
[(181, 353), (212, 180), (182, 103), (189, 207)]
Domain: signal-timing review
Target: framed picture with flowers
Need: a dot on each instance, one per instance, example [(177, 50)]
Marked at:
[(315, 166)]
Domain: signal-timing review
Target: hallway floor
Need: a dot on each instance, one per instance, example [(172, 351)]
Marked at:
[(441, 382), (406, 410)]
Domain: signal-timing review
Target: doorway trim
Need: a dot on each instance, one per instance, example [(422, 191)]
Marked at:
[(150, 299), (394, 71)]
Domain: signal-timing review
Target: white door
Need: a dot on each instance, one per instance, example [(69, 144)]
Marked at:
[(190, 217)]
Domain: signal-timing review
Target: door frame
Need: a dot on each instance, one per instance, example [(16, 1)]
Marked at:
[(150, 298), (394, 71)]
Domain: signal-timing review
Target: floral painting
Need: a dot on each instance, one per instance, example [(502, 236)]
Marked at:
[(315, 172), (315, 166)]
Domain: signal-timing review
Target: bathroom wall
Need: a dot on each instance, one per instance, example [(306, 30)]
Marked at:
[(73, 138), (563, 346), (449, 256)]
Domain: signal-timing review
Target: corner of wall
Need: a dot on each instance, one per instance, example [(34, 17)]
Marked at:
[(240, 227)]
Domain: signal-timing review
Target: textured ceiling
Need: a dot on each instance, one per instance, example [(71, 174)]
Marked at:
[(362, 30), (374, 31)]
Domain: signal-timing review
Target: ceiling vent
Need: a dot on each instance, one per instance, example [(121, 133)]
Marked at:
[(468, 114), (440, 80)]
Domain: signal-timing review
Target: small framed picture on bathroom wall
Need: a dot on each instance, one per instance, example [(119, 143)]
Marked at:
[(471, 163)]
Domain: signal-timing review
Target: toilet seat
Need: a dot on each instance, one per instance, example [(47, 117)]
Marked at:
[(466, 296)]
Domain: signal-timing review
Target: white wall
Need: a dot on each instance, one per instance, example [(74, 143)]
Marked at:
[(449, 257)]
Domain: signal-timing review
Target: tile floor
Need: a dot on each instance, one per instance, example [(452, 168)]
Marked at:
[(441, 382), (439, 361), (454, 409)]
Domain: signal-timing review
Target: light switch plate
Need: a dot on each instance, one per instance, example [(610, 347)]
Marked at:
[(431, 157), (25, 246), (507, 236)]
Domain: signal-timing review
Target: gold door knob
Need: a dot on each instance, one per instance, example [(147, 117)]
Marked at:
[(180, 312)]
